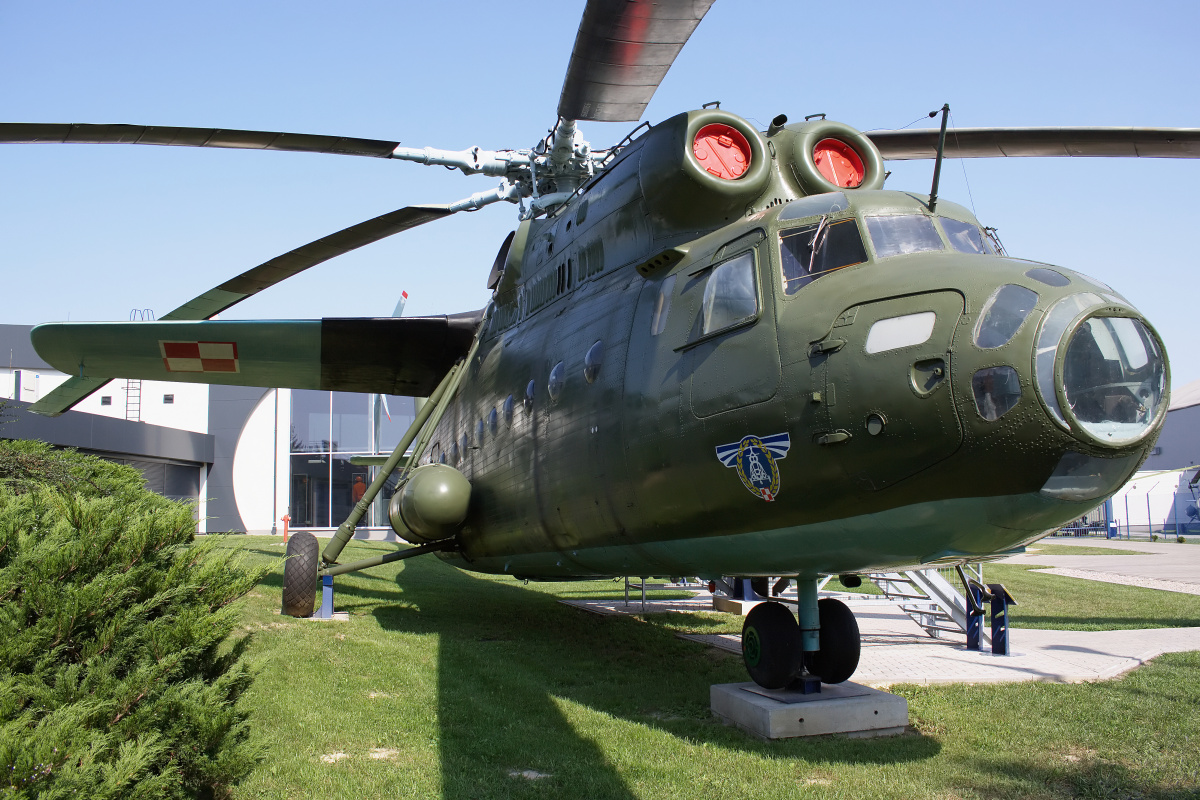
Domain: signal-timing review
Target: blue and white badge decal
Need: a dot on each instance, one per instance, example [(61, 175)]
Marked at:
[(755, 457)]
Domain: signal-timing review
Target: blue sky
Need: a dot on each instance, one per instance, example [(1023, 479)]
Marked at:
[(91, 232)]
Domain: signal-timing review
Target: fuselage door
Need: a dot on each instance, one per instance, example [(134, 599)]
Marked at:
[(887, 388), (732, 351)]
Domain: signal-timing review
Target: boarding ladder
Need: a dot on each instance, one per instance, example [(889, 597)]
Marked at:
[(930, 598)]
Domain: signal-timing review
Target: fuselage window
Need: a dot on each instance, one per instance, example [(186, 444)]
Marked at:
[(658, 323), (731, 295), (529, 389), (555, 385), (479, 433), (836, 245), (593, 361), (465, 445), (902, 234), (965, 237), (454, 454), (508, 410), (493, 421)]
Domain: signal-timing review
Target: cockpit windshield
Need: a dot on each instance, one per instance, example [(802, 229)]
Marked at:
[(897, 235), (965, 237), (815, 250)]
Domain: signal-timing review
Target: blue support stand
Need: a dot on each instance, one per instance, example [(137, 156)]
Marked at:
[(1000, 602), (1113, 532), (326, 611), (975, 621)]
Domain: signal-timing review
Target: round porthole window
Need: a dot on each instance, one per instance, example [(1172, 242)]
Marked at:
[(508, 410), (592, 362), (493, 421), (528, 403), (558, 378)]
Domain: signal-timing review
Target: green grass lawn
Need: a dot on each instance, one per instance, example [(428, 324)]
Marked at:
[(1043, 548), (448, 684)]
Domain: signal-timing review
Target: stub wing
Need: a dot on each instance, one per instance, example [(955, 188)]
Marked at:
[(405, 356)]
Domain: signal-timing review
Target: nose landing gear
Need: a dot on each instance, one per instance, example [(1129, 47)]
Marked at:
[(774, 648)]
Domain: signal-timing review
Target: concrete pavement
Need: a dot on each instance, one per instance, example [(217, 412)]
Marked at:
[(895, 650)]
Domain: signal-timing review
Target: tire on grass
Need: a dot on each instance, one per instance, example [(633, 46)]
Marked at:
[(838, 657), (300, 575), (771, 645)]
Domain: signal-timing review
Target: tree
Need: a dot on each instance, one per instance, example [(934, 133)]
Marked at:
[(117, 674)]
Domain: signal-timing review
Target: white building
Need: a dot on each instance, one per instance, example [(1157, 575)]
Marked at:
[(248, 456)]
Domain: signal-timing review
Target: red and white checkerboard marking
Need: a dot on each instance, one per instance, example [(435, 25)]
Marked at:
[(199, 356)]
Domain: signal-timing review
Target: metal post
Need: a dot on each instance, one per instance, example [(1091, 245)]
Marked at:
[(1000, 602), (1110, 525), (975, 619), (1149, 519), (937, 165), (627, 590), (643, 593), (346, 530), (810, 615), (326, 611)]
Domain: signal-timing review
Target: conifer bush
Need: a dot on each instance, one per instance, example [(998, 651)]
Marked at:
[(117, 679)]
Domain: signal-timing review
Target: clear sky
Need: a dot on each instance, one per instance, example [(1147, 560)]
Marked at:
[(93, 231)]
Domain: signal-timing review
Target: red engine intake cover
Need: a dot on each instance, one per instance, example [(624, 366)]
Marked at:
[(723, 151)]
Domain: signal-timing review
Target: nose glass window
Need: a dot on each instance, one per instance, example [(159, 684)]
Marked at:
[(730, 296), (1114, 378), (1056, 321), (1003, 314), (812, 251), (997, 390), (965, 237), (900, 235)]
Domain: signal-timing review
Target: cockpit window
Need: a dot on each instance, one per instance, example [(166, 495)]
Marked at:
[(903, 234), (814, 250), (731, 295), (965, 237), (814, 204)]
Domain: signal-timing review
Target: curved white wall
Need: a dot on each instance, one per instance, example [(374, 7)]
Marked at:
[(256, 478)]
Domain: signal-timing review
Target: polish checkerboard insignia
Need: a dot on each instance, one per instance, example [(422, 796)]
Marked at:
[(199, 356), (755, 459)]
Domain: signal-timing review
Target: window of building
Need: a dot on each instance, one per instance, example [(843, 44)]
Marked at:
[(327, 430), (168, 399), (106, 400)]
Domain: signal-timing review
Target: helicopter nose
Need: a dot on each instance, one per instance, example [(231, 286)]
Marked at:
[(1100, 371)]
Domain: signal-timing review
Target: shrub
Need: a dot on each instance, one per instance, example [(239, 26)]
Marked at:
[(116, 676)]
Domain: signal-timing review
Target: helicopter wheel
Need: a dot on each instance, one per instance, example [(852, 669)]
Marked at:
[(838, 657), (300, 575), (771, 645)]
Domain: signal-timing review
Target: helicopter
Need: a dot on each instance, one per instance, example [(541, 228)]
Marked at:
[(710, 350)]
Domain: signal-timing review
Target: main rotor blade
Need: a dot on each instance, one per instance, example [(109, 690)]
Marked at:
[(66, 133), (269, 273), (904, 145), (622, 52)]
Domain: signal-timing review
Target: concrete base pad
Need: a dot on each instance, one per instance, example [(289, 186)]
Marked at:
[(845, 708)]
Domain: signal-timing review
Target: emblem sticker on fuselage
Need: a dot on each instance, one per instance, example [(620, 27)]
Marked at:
[(755, 458)]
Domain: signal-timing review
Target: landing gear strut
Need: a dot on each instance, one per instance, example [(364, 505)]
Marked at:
[(779, 652)]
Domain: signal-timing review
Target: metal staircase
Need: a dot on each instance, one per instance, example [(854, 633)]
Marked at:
[(930, 598)]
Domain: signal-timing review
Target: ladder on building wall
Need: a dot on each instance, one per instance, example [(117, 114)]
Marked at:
[(133, 400), (133, 388), (930, 599)]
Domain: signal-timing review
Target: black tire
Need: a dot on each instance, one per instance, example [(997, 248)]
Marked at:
[(838, 657), (771, 645), (300, 575)]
